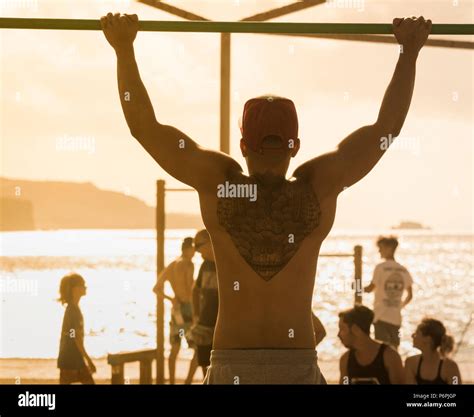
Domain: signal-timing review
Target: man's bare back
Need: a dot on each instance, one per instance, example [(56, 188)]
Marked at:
[(181, 280), (179, 274), (267, 307), (265, 282)]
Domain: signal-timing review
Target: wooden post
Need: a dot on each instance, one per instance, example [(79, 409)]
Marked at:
[(160, 265), (117, 374), (225, 93), (358, 275), (145, 371)]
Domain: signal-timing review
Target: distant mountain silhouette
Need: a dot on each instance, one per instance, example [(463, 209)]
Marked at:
[(16, 214), (30, 205)]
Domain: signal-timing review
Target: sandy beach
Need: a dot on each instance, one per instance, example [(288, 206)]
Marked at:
[(44, 371)]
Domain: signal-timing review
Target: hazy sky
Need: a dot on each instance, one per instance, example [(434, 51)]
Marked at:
[(60, 87)]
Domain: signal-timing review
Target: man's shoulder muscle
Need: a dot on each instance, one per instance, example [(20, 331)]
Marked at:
[(224, 166), (323, 174)]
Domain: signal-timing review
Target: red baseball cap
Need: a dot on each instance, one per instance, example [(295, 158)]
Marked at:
[(264, 116)]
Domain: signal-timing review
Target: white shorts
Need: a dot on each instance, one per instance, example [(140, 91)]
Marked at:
[(264, 366)]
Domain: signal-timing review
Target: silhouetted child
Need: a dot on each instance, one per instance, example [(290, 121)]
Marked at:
[(74, 363)]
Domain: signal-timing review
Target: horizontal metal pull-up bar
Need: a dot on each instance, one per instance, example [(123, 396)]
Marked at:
[(231, 27)]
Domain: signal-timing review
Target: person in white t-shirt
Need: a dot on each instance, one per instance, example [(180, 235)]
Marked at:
[(390, 281)]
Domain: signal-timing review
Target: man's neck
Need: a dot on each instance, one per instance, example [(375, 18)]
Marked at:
[(277, 167), (269, 176), (269, 180), (363, 344)]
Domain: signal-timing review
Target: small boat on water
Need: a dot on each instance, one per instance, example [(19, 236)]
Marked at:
[(411, 225)]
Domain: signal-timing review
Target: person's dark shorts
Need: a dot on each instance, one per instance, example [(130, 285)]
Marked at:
[(180, 330), (388, 333), (203, 355)]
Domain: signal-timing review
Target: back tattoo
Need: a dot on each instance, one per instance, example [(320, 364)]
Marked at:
[(267, 231)]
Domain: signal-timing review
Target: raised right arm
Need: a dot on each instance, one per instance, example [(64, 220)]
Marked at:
[(172, 149)]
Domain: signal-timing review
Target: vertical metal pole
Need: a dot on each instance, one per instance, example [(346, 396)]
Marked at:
[(225, 93), (160, 265), (358, 275)]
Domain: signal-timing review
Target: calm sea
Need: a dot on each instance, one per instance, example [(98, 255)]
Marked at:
[(119, 268)]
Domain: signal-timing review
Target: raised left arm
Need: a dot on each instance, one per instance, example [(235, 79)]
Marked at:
[(359, 152)]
